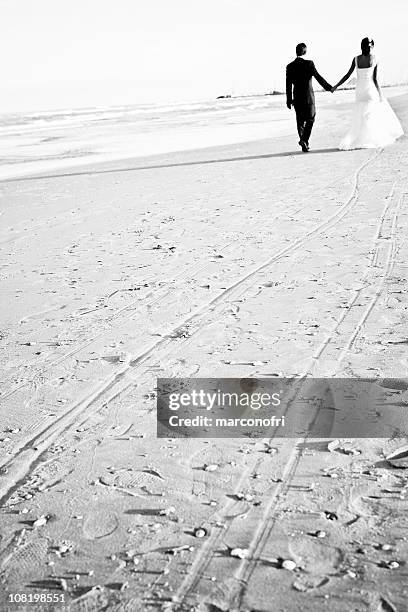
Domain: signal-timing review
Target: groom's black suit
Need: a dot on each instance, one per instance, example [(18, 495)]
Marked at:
[(299, 92)]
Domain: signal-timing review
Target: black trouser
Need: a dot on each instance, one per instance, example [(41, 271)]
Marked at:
[(305, 119)]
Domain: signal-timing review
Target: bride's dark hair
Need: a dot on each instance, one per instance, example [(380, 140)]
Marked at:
[(366, 45)]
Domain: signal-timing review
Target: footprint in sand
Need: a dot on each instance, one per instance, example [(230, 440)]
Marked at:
[(315, 557), (135, 479), (26, 560), (99, 524), (375, 503)]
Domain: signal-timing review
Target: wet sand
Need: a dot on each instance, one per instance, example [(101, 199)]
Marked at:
[(246, 260)]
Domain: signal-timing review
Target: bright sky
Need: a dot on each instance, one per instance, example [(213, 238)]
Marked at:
[(63, 53)]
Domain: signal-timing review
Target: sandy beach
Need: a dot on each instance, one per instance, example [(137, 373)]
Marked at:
[(246, 260)]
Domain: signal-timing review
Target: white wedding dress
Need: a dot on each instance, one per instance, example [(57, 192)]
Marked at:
[(374, 123)]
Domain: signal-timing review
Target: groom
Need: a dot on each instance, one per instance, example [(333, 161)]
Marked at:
[(299, 74)]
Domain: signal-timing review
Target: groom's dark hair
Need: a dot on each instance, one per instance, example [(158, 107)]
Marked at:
[(301, 49)]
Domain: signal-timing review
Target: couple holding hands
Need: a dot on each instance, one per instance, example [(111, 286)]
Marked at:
[(374, 123)]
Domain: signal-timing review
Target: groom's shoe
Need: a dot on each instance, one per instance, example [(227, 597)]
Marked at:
[(304, 145)]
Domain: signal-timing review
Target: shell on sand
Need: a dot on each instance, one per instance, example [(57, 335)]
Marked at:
[(399, 457)]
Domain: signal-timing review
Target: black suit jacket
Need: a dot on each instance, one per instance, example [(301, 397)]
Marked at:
[(299, 88)]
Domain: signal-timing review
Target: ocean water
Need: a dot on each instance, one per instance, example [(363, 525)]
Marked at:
[(37, 142)]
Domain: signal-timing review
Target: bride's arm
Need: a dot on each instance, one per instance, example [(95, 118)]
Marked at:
[(376, 82), (346, 76)]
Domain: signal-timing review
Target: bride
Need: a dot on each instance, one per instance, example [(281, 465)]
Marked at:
[(374, 123)]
